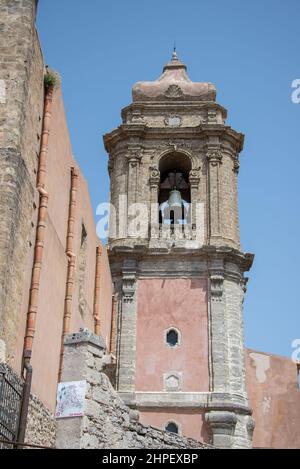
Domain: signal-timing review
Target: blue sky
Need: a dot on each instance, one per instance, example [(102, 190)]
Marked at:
[(250, 51)]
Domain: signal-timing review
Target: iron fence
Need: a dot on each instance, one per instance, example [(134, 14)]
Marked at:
[(11, 388)]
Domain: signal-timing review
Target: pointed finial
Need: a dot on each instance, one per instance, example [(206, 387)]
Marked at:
[(174, 54), (174, 63)]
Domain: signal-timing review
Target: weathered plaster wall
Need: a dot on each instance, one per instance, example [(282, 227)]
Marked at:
[(275, 397), (47, 342), (191, 424), (164, 304)]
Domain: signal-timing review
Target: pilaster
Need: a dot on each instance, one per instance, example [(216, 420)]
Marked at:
[(127, 332), (214, 160)]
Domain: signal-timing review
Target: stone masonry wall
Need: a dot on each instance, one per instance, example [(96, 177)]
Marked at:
[(108, 422), (21, 106), (41, 424)]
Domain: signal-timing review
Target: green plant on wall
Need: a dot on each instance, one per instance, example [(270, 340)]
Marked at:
[(51, 79)]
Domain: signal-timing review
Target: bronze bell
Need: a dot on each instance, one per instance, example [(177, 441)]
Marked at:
[(175, 199)]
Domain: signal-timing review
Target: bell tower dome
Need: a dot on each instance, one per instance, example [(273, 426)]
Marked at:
[(176, 260)]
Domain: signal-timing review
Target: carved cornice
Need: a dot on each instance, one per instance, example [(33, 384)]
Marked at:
[(205, 262), (209, 401), (166, 107), (141, 132)]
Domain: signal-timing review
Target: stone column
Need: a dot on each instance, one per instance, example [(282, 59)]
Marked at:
[(214, 158), (82, 360), (127, 332)]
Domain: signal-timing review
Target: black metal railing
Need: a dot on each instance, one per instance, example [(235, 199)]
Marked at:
[(11, 388)]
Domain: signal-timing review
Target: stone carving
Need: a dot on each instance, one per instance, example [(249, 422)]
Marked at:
[(129, 281), (179, 143), (154, 173), (128, 289), (214, 157), (134, 156), (174, 91), (194, 176), (173, 121), (236, 166), (211, 117), (172, 381), (154, 176), (216, 287)]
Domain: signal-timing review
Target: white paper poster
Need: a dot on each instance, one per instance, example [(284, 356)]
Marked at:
[(70, 399)]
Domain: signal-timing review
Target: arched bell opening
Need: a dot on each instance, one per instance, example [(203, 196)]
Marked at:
[(174, 189)]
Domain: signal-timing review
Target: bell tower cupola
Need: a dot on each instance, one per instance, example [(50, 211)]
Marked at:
[(173, 139)]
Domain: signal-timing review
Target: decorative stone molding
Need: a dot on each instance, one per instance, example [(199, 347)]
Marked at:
[(216, 287), (134, 155), (236, 166), (180, 145), (173, 91), (194, 177), (222, 425), (214, 157), (172, 381), (128, 289), (173, 121), (212, 116), (154, 176), (187, 400), (129, 281)]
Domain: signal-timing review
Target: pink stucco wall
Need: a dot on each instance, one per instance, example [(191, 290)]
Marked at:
[(163, 304), (274, 394), (191, 423), (47, 341)]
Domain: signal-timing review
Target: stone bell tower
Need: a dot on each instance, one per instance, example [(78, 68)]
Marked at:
[(176, 260)]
